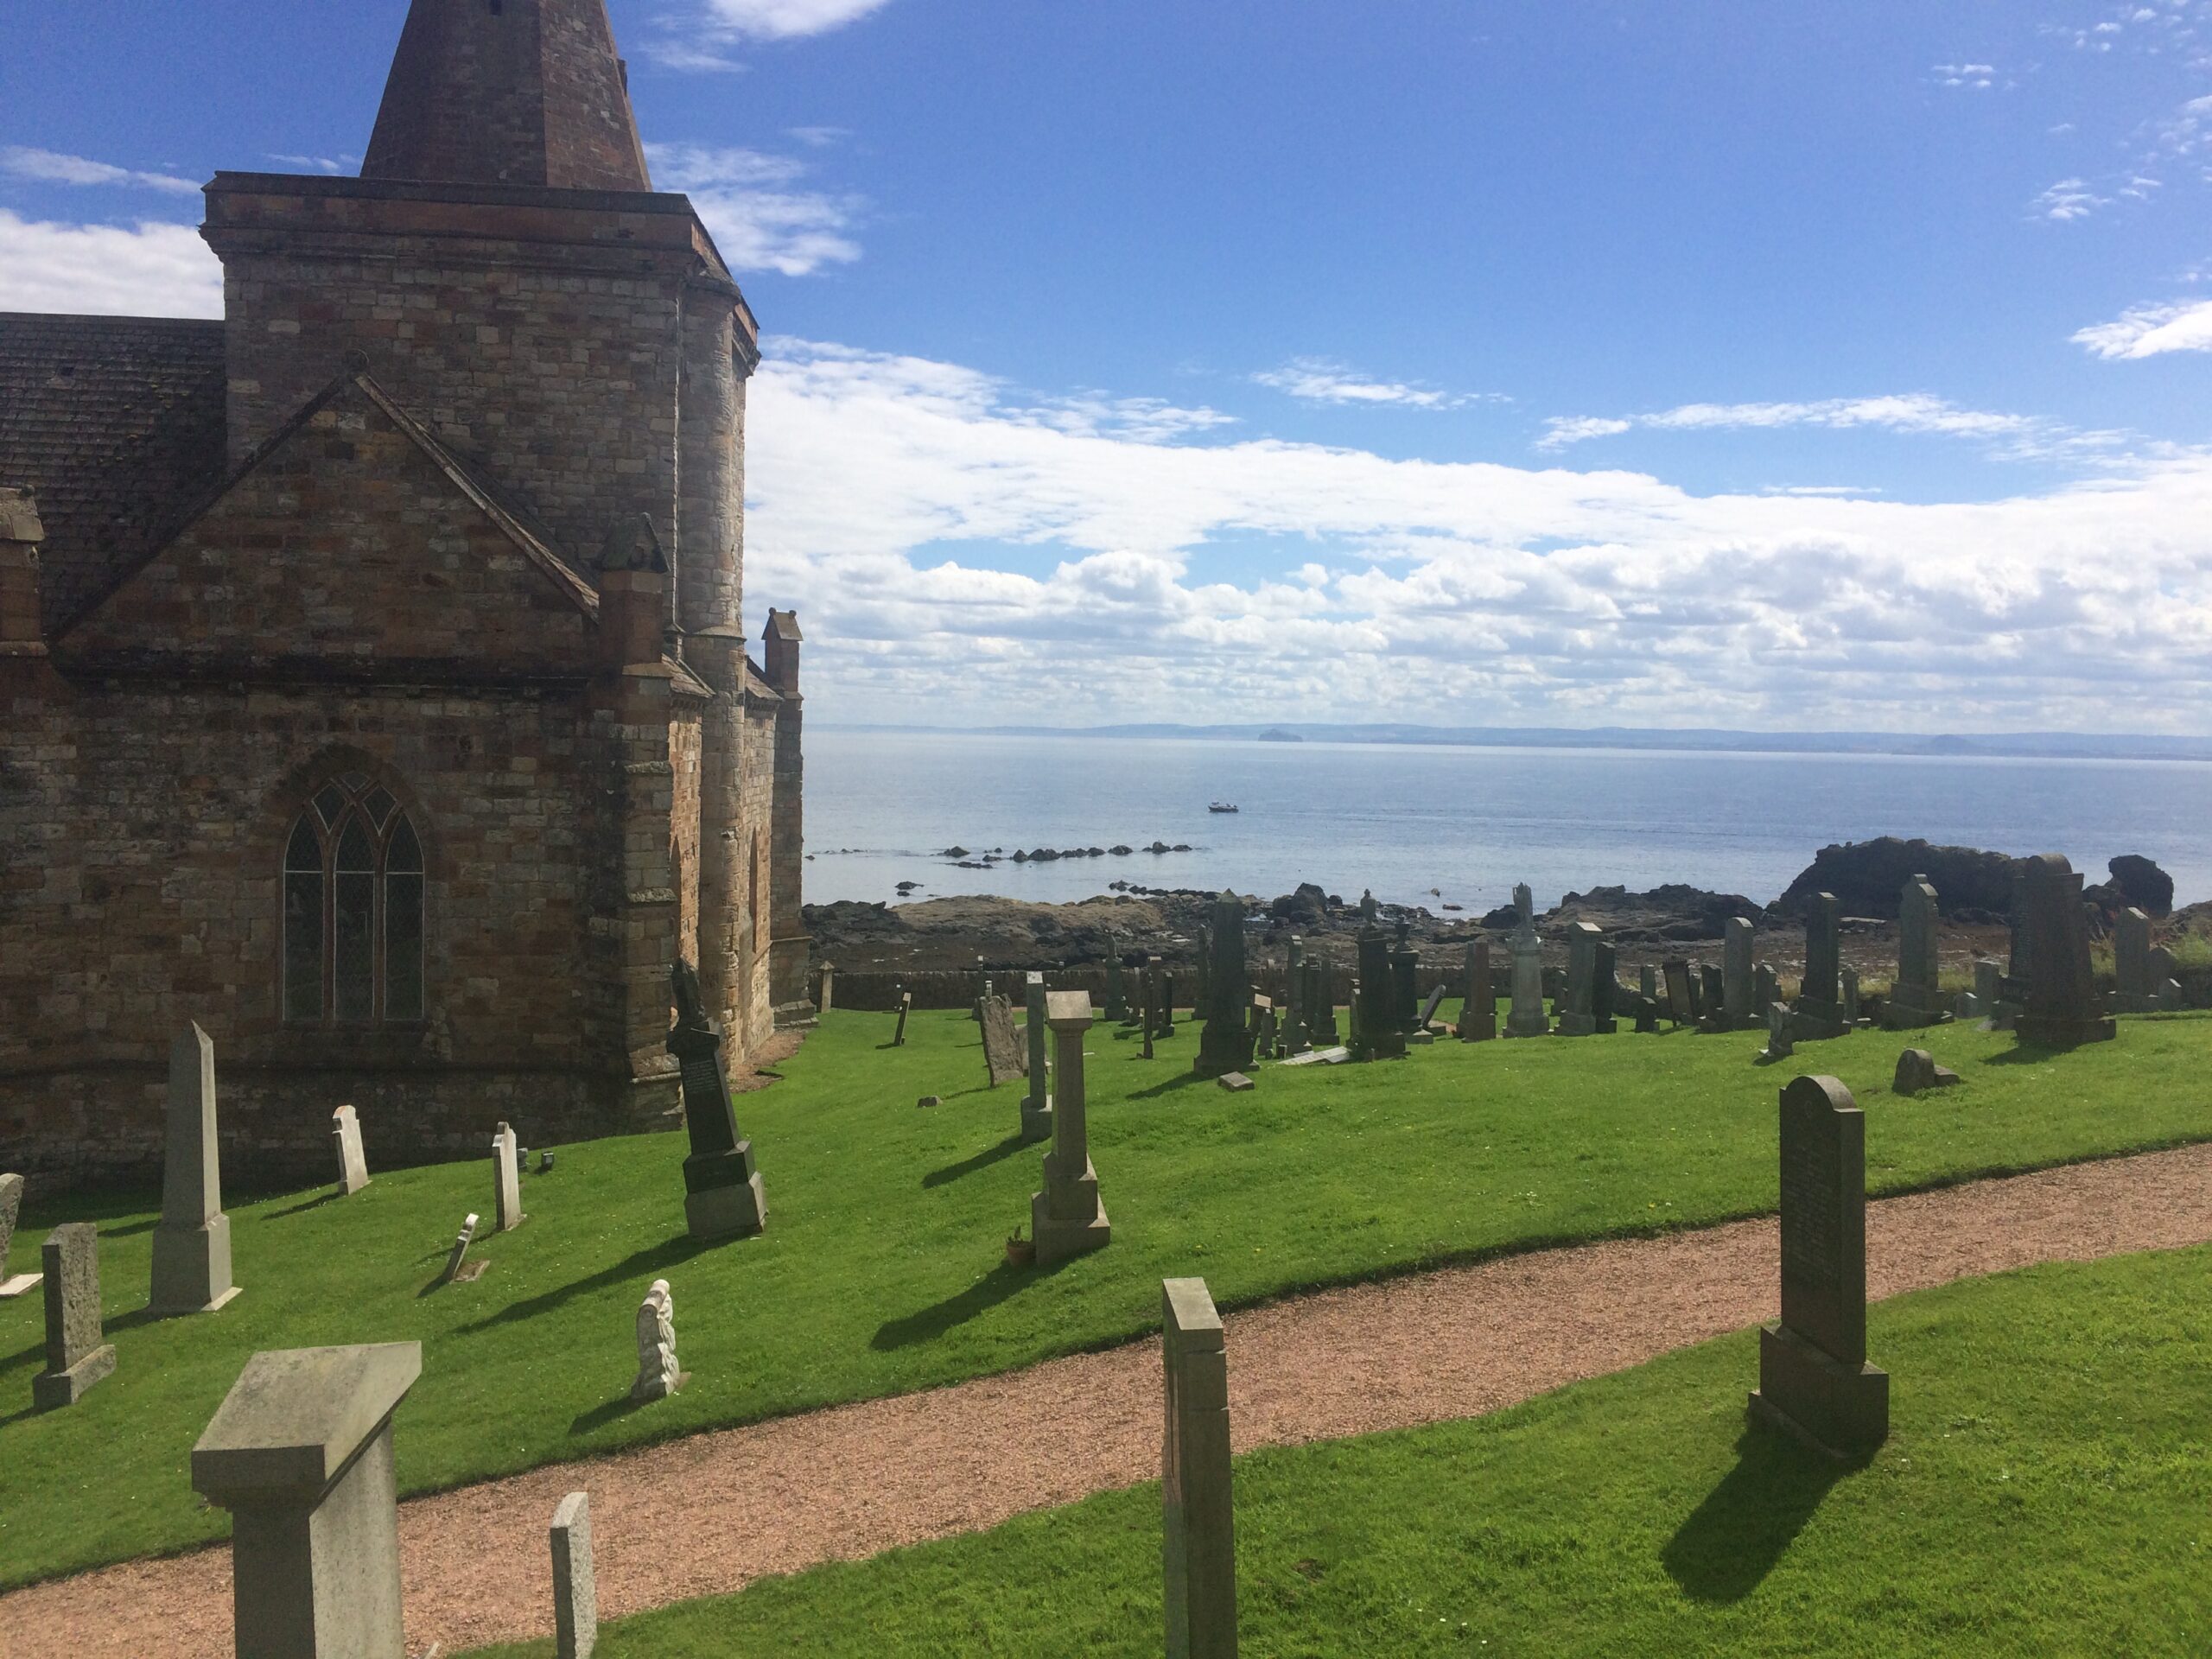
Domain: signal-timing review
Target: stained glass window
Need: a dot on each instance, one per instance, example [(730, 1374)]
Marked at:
[(353, 895)]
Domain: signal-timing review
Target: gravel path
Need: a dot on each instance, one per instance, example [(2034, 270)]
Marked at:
[(711, 1513)]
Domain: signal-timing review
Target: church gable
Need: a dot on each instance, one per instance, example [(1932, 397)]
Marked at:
[(351, 546)]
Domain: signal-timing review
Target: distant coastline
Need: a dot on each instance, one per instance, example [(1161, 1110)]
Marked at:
[(2052, 746)]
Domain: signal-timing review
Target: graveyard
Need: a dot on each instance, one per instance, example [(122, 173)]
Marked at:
[(883, 1266)]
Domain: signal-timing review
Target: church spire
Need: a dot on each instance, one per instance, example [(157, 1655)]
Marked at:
[(508, 92)]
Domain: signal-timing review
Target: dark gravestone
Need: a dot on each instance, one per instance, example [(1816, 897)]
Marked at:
[(1818, 1011), (1813, 1377), (2131, 962), (1681, 1007), (1321, 1005), (1575, 1019), (1647, 1013), (1766, 990), (1167, 1005), (2062, 1006), (722, 1195), (1479, 1018), (1712, 994), (1914, 999), (1002, 1056), (1606, 990), (1405, 989), (906, 1008), (1429, 1008), (1917, 1071), (1376, 1032), (77, 1353), (1226, 1044)]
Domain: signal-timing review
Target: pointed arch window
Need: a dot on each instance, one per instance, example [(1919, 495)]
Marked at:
[(353, 901)]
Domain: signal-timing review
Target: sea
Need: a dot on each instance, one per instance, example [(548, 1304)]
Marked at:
[(1423, 824)]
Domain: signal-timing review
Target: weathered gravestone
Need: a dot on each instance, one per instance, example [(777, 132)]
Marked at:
[(1987, 1000), (1818, 1011), (1575, 1016), (1607, 994), (1198, 1508), (78, 1353), (1766, 990), (1681, 1003), (1736, 939), (11, 1206), (1647, 1014), (1225, 1044), (192, 1241), (1429, 1008), (2063, 1008), (1167, 1004), (1405, 975), (1037, 1104), (1065, 1218), (1813, 1377), (1525, 1014), (299, 1453), (1002, 1056), (1914, 999), (2166, 994), (1263, 1032), (1647, 981), (906, 1008), (1234, 1082), (459, 1254), (1478, 1018), (1377, 1032), (507, 1183), (575, 1582), (1850, 979), (826, 1000), (1321, 1005), (1151, 1003), (2131, 963), (345, 1138), (1778, 1045), (659, 1376), (1917, 1071), (722, 1193), (1117, 990)]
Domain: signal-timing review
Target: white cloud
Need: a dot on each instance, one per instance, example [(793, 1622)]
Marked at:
[(1321, 380), (691, 57), (147, 270), (758, 221), (2069, 199), (782, 19), (331, 164), (51, 167), (2150, 330), (1468, 591), (2016, 435), (1976, 77), (1560, 430)]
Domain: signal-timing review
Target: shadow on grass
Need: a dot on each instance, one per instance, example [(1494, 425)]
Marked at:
[(1184, 1078), (315, 1203), (641, 1265), (983, 1159), (1737, 1536), (621, 1406), (998, 1284), (133, 1229)]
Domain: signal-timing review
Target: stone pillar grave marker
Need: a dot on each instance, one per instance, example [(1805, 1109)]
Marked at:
[(1225, 1043), (299, 1453), (576, 1585), (1197, 1498), (346, 1136), (506, 1182), (1065, 1218), (1818, 1011), (1738, 938), (11, 1208), (722, 1194), (78, 1353), (1377, 1032), (192, 1241), (828, 999), (1576, 1016), (1914, 1000), (1850, 979), (1525, 1016), (1813, 1377), (1037, 1104)]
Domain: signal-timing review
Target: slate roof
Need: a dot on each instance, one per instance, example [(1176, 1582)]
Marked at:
[(117, 423)]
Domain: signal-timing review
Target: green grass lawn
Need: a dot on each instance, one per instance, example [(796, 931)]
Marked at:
[(2043, 1491), (882, 1267)]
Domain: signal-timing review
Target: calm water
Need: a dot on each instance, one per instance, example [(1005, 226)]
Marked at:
[(1468, 822)]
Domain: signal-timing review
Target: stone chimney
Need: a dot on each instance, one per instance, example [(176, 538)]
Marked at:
[(779, 651)]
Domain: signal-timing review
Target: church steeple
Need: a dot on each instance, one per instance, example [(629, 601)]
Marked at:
[(508, 92)]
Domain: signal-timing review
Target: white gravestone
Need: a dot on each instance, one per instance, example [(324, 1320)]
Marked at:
[(507, 1213), (657, 1377), (346, 1136), (192, 1241), (575, 1589)]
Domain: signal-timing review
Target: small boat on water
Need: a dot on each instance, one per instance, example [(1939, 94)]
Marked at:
[(1222, 806)]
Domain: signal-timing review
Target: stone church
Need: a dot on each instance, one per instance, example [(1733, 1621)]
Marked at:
[(374, 685)]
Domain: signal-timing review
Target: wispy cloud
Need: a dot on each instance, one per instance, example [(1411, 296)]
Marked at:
[(761, 221), (2069, 199), (1527, 593), (331, 164), (2016, 435), (148, 269), (1322, 380), (52, 167), (690, 56), (2150, 331), (1972, 77), (703, 39)]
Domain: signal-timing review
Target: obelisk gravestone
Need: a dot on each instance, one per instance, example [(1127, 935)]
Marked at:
[(192, 1241)]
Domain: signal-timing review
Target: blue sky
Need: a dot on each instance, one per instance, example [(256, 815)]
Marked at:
[(1706, 362)]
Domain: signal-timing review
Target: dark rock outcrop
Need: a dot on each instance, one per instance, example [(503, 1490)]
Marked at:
[(2143, 884), (1867, 877), (1672, 912), (1305, 907)]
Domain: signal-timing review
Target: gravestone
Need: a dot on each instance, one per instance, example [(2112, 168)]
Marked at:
[(78, 1353), (657, 1373), (1151, 1003), (1575, 1018), (1606, 989), (1117, 987), (1778, 1044), (1294, 1038), (459, 1253), (2166, 981), (1065, 1218), (1037, 1104), (1647, 981), (345, 1137), (1712, 997), (826, 1000), (1429, 1008), (1766, 990), (2131, 963), (1818, 1011), (1198, 1508), (1850, 978), (507, 1187), (722, 1194), (1234, 1082), (1813, 1377), (1989, 993), (1263, 1030), (1681, 1004), (1914, 1000), (576, 1584), (1377, 1032), (1737, 938), (192, 1241), (1002, 1057), (1405, 974), (1917, 1071), (1167, 1004), (2062, 1007), (906, 1008), (1647, 1014), (1525, 1014), (1369, 909), (1225, 1043), (1321, 1005), (1478, 1018), (299, 1453), (11, 1207)]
